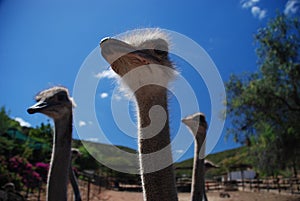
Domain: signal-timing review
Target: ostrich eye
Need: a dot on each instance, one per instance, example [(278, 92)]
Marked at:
[(160, 52), (61, 97), (202, 118)]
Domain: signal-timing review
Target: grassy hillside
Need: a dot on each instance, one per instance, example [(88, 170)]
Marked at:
[(115, 158), (223, 159)]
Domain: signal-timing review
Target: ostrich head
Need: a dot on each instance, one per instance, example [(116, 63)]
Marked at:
[(196, 123), (75, 153), (147, 49), (210, 165), (54, 102)]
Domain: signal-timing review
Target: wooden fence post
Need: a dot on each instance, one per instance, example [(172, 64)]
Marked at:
[(88, 190)]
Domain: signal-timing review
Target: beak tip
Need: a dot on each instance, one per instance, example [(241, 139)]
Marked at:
[(30, 111), (104, 39)]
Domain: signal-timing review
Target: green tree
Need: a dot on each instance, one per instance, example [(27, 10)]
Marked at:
[(265, 106), (43, 137), (43, 132), (6, 122), (86, 161)]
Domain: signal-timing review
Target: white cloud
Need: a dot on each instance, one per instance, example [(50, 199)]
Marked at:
[(109, 74), (22, 122), (180, 151), (93, 139), (117, 97), (249, 3), (258, 12), (104, 95), (291, 7), (82, 123)]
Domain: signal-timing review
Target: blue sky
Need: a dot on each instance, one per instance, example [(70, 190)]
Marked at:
[(44, 43)]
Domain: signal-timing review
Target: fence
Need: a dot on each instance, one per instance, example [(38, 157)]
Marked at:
[(91, 186), (282, 185)]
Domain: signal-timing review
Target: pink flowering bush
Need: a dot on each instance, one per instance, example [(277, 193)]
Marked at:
[(42, 169), (21, 167)]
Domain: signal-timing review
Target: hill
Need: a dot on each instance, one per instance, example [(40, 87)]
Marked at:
[(224, 160), (115, 158)]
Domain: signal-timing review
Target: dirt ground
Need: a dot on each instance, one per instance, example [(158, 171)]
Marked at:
[(102, 194), (109, 195)]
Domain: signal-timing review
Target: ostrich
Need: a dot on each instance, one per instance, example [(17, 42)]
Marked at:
[(209, 165), (139, 59), (8, 192), (72, 176), (57, 104), (198, 126)]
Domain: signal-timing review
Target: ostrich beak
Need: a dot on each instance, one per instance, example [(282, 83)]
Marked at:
[(112, 49), (37, 107), (184, 121)]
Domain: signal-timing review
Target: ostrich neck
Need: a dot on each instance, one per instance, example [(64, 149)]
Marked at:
[(198, 179), (159, 185), (60, 160), (74, 184)]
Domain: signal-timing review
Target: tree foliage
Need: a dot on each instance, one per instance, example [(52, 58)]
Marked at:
[(265, 106), (6, 122)]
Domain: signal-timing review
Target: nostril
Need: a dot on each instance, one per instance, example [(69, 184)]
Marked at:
[(145, 62)]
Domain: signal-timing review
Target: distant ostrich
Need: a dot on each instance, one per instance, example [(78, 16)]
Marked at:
[(142, 58), (8, 192), (209, 165), (57, 104), (198, 126), (72, 176)]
